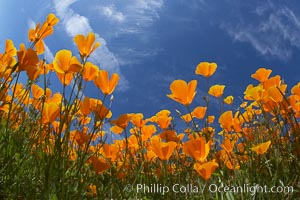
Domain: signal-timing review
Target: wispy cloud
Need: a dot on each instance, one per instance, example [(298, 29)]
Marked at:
[(112, 13), (78, 24), (274, 34), (130, 19)]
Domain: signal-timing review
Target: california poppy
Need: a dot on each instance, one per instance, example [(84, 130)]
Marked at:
[(197, 148), (205, 170), (226, 120), (182, 92), (106, 85), (216, 90), (206, 69), (262, 74), (27, 58), (50, 112), (199, 112), (64, 62), (296, 89), (122, 121), (163, 149), (228, 100), (90, 71), (261, 148), (100, 165), (86, 45)]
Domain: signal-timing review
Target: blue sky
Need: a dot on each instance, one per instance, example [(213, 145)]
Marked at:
[(150, 43)]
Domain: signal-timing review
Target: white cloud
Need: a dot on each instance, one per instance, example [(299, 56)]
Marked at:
[(133, 15), (110, 12), (77, 24), (274, 34)]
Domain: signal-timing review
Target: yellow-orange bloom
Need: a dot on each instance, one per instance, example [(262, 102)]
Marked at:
[(182, 92), (86, 45), (163, 149), (261, 148), (50, 112), (10, 49), (122, 121), (106, 85), (99, 164), (199, 112), (64, 62), (228, 100), (296, 89), (205, 170), (90, 71), (216, 90), (197, 148), (206, 69), (27, 58), (276, 93), (262, 74)]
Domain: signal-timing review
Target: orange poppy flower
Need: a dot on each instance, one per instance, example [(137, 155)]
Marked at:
[(276, 93), (100, 165), (122, 121), (64, 62), (86, 45), (205, 170), (273, 81), (90, 71), (81, 137), (170, 135), (37, 91), (137, 120), (261, 148), (116, 129), (197, 148), (85, 106), (182, 92), (10, 49), (164, 121), (187, 117), (262, 74), (206, 69), (210, 119), (50, 112), (226, 120), (296, 89), (256, 93), (228, 145), (147, 131), (163, 149), (111, 151), (27, 58), (228, 100), (99, 109), (199, 112), (150, 155), (52, 20), (102, 81), (216, 90)]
